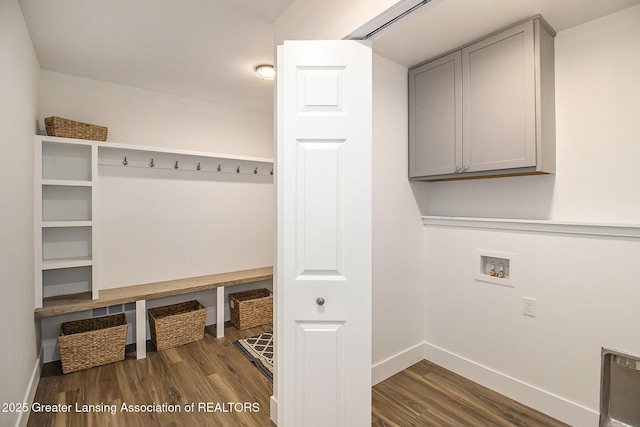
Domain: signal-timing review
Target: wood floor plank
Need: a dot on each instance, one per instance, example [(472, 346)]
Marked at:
[(178, 376), (450, 400), (212, 371)]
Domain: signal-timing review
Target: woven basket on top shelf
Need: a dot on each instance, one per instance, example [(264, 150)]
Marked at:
[(57, 126), (177, 324), (251, 308), (92, 342)]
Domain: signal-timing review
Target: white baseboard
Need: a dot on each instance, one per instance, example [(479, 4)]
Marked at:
[(394, 364), (527, 394), (273, 410), (23, 417)]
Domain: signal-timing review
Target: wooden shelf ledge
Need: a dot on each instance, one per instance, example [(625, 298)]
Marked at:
[(81, 302)]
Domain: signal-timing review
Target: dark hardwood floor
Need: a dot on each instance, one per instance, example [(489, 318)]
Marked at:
[(425, 395), (213, 371)]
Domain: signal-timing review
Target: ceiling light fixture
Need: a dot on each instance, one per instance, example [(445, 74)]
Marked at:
[(265, 72)]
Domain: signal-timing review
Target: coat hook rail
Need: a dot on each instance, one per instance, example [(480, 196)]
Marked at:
[(251, 168)]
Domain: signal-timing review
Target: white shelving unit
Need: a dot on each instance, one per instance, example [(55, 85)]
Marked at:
[(66, 175), (65, 236)]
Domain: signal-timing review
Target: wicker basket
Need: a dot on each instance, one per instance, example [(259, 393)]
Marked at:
[(92, 342), (251, 308), (57, 126), (177, 324)]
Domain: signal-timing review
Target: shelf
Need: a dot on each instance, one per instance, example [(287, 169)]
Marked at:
[(106, 146), (82, 301), (71, 262), (66, 203), (67, 282), (69, 223), (66, 161), (631, 231), (156, 158), (63, 243), (102, 146), (67, 183)]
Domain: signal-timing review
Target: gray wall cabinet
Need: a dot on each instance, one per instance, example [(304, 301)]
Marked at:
[(486, 109)]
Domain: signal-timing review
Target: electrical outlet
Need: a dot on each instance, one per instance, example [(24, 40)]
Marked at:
[(529, 307)]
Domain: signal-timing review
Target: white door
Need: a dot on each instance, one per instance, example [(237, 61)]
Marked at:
[(323, 266)]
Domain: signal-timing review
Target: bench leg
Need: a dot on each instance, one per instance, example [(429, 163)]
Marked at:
[(141, 329), (220, 312)]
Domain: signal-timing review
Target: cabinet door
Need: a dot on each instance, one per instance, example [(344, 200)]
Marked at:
[(499, 101), (435, 117)]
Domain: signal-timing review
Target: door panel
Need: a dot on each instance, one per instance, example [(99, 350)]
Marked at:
[(435, 108), (499, 101), (320, 194), (320, 363)]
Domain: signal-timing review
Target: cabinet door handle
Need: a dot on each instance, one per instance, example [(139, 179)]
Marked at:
[(464, 168), (458, 169)]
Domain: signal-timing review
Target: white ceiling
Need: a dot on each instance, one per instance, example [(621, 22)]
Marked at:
[(201, 49), (443, 25), (207, 49)]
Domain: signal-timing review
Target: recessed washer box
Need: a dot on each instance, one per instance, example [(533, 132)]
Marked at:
[(495, 267)]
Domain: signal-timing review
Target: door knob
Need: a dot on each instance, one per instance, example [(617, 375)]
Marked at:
[(320, 301)]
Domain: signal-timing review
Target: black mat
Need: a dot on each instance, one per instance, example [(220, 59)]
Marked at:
[(259, 350)]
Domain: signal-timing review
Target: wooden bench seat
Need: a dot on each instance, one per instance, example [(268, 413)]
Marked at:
[(81, 302), (139, 294)]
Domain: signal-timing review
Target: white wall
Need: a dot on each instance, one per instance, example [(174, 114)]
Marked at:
[(597, 110), (586, 298), (398, 273), (585, 287), (160, 225), (142, 117), (19, 85)]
